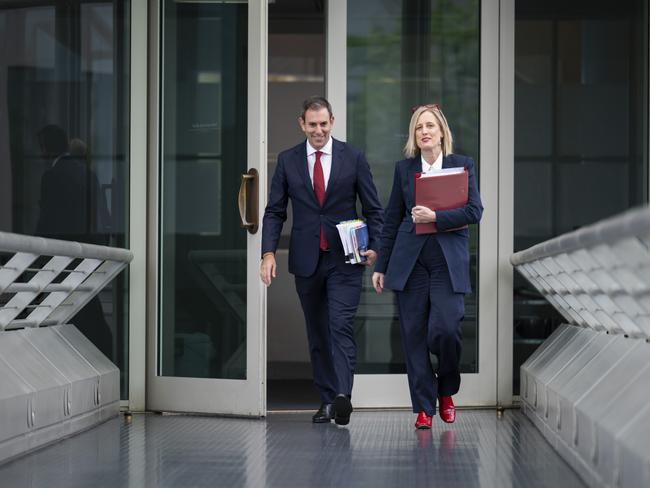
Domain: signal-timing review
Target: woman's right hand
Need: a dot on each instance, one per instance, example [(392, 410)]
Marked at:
[(378, 281)]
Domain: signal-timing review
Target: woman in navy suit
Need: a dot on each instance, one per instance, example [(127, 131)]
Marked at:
[(428, 272)]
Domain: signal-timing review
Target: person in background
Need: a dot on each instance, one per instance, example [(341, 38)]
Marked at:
[(72, 204), (73, 208)]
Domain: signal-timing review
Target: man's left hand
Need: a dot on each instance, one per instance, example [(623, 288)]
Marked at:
[(371, 257)]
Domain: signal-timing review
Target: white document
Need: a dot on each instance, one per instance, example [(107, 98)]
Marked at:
[(441, 172)]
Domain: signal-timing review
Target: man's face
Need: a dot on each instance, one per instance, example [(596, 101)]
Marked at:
[(317, 126)]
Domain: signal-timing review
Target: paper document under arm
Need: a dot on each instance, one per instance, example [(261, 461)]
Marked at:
[(354, 238)]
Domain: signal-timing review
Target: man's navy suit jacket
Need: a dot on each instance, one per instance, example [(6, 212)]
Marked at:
[(401, 246), (350, 178)]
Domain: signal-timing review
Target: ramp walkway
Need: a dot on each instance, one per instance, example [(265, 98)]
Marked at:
[(378, 449)]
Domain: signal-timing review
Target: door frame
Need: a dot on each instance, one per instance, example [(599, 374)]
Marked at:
[(505, 208), (207, 395), (138, 145), (497, 144)]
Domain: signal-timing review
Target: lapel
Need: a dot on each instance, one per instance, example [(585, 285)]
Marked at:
[(303, 169), (448, 162), (335, 170), (415, 166)]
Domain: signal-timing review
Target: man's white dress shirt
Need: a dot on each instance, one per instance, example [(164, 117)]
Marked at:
[(325, 161)]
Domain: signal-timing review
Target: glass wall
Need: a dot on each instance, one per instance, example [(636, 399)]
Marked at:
[(64, 126), (402, 54), (581, 130), (203, 155)]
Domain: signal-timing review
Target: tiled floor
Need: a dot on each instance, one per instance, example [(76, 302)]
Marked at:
[(377, 449)]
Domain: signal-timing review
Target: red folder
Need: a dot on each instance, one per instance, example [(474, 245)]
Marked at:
[(443, 192)]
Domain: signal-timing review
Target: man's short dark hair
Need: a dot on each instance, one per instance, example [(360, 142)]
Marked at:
[(315, 103), (53, 140)]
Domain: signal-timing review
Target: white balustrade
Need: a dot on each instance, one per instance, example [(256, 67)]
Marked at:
[(588, 385), (54, 381)]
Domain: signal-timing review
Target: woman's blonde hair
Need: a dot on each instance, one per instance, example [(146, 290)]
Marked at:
[(411, 148)]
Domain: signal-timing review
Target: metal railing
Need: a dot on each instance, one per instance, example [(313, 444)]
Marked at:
[(587, 387), (47, 281), (54, 381), (597, 276)]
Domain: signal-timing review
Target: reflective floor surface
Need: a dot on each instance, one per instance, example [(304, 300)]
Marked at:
[(377, 449)]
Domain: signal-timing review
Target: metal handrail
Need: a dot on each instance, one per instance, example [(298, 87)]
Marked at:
[(10, 242), (597, 276), (631, 223), (82, 270)]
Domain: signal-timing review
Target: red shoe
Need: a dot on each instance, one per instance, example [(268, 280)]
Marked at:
[(423, 421), (447, 409)]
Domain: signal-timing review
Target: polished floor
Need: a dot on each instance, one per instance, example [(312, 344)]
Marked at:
[(377, 449)]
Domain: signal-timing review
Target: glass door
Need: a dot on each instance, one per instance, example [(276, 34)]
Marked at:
[(206, 329), (382, 61)]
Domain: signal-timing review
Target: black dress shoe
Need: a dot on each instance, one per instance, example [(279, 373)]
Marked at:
[(324, 414), (342, 409)]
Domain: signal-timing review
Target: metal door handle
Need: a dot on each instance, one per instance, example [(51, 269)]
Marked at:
[(248, 200)]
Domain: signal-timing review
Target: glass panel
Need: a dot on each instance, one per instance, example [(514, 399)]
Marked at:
[(581, 119), (64, 132), (203, 247), (402, 54)]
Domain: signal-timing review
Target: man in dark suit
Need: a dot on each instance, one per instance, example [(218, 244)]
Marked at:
[(72, 205), (323, 178), (73, 208)]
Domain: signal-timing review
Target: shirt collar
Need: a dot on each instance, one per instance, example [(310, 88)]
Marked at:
[(436, 163), (59, 157), (326, 149)]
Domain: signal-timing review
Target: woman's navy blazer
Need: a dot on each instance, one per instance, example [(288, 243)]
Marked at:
[(400, 245)]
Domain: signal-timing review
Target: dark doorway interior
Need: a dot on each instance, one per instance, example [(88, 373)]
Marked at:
[(296, 71)]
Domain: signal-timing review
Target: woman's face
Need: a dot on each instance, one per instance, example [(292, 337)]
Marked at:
[(428, 133)]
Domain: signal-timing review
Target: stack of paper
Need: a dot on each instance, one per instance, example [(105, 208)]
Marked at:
[(354, 237), (442, 172)]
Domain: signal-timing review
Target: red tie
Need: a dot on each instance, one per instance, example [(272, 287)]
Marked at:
[(319, 191)]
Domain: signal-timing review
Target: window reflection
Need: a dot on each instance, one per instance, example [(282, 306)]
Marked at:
[(63, 140), (202, 326), (580, 132), (400, 55)]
